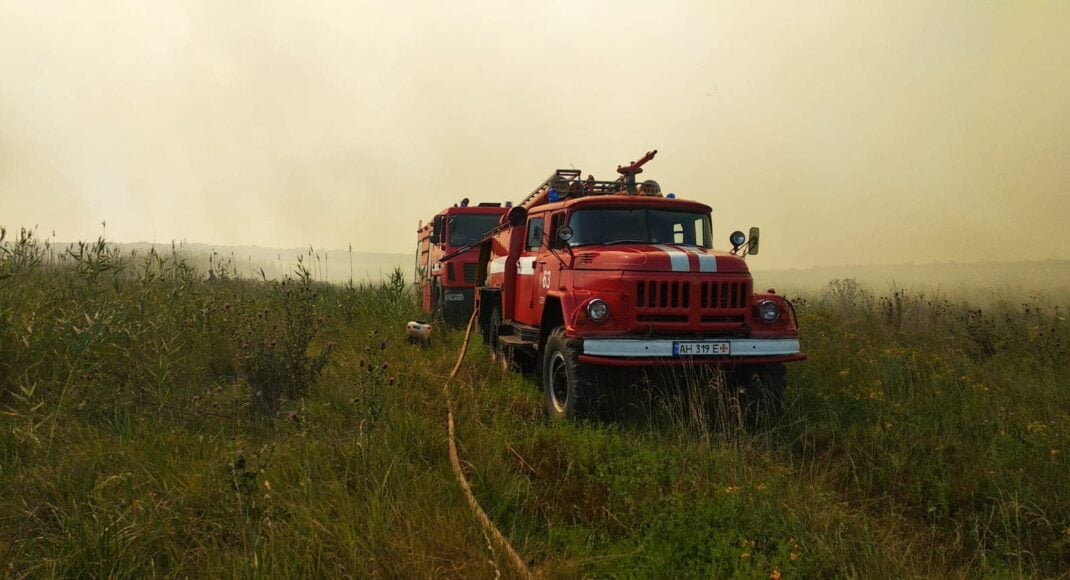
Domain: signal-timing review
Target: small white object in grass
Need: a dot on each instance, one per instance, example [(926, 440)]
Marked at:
[(419, 332)]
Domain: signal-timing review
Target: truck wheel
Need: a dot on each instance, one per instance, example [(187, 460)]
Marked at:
[(436, 299), (569, 387), (498, 353), (763, 391)]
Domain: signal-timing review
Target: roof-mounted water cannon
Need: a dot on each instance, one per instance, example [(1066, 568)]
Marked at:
[(628, 172)]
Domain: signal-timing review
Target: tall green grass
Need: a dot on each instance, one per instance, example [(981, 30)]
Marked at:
[(950, 421), (160, 422)]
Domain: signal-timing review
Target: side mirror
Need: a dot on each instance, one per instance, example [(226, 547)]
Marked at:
[(518, 216), (752, 243), (436, 229), (565, 233)]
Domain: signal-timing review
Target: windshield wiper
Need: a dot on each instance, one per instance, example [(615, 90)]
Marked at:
[(615, 242)]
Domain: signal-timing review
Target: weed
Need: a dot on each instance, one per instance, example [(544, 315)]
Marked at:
[(924, 437), (274, 342)]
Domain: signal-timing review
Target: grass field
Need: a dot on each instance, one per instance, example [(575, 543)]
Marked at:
[(155, 423)]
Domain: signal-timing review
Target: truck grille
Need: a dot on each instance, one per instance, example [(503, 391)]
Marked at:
[(470, 273), (679, 302), (723, 295), (663, 294)]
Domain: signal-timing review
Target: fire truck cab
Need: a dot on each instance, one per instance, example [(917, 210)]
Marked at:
[(446, 288), (588, 275)]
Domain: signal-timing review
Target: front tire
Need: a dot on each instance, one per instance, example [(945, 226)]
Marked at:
[(570, 388)]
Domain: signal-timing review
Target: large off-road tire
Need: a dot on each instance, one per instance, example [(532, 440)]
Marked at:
[(498, 353), (761, 391), (436, 299), (570, 388)]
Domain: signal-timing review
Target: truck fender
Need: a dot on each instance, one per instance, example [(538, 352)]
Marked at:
[(566, 304), (556, 312)]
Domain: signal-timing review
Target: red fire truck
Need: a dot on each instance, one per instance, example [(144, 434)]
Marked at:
[(586, 275), (447, 289)]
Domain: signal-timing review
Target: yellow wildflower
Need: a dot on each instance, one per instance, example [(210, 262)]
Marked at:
[(774, 575)]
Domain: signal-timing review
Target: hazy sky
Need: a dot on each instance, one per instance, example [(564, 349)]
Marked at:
[(851, 132)]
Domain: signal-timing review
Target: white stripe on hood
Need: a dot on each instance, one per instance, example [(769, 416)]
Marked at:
[(678, 258), (706, 262)]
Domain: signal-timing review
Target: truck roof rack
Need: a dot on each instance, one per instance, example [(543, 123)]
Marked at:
[(568, 183)]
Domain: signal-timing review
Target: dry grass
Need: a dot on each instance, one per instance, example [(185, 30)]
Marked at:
[(924, 437)]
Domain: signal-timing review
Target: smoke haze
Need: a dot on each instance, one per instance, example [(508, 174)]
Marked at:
[(850, 132)]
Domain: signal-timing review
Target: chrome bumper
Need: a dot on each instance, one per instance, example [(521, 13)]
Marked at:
[(663, 347)]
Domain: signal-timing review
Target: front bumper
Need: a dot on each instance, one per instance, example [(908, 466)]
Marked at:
[(457, 305), (661, 352)]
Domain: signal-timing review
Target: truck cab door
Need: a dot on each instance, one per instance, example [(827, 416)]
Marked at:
[(547, 272), (526, 286)]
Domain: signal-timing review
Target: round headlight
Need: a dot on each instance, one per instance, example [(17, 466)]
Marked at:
[(597, 310), (737, 239), (769, 311)]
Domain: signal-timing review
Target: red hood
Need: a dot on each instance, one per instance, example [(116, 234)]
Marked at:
[(657, 258)]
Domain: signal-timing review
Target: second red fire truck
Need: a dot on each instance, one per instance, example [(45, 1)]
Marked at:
[(447, 288), (584, 276)]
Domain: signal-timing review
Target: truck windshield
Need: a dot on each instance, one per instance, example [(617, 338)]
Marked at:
[(641, 226), (470, 228)]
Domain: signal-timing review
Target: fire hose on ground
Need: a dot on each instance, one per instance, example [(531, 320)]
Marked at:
[(484, 520)]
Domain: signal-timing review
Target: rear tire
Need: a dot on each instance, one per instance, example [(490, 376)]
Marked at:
[(436, 299), (570, 388), (498, 353)]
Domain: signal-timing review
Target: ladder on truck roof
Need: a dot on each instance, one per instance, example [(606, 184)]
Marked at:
[(568, 182)]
